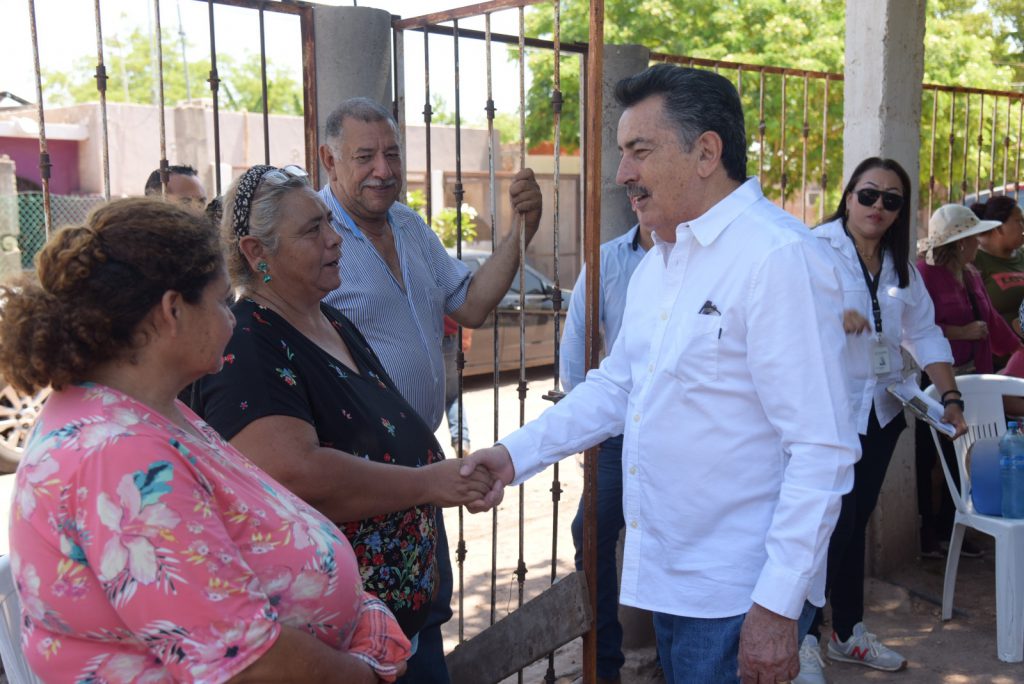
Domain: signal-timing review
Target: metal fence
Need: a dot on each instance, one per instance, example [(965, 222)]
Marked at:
[(65, 210)]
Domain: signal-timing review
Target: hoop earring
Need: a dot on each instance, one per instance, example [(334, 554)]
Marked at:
[(264, 268)]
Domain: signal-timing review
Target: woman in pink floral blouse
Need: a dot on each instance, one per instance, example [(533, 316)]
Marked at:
[(144, 547)]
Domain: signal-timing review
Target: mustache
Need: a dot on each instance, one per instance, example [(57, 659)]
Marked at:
[(374, 183), (634, 190)]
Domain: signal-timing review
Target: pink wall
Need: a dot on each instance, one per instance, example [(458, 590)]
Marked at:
[(63, 160)]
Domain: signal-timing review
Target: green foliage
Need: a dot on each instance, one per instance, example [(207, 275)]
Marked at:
[(131, 77), (966, 44), (445, 222)]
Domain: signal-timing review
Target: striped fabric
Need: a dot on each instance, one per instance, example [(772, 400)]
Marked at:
[(403, 326)]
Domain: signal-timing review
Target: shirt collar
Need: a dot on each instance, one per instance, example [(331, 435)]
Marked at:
[(709, 225), (342, 218)]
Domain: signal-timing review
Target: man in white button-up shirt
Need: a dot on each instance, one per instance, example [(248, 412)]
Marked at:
[(727, 382)]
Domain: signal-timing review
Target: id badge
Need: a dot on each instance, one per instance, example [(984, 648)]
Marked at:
[(880, 358)]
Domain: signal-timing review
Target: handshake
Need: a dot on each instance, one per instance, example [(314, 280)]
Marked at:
[(476, 481)]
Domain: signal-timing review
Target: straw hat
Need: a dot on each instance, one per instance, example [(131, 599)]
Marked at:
[(950, 223)]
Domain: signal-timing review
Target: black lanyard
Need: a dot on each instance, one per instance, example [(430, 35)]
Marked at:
[(872, 284)]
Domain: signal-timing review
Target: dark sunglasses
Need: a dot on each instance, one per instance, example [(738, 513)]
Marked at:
[(890, 200)]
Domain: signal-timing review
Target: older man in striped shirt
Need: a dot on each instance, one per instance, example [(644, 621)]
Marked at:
[(398, 282)]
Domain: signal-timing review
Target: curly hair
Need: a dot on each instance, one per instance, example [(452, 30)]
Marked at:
[(95, 284)]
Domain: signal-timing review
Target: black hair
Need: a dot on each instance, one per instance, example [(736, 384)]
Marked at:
[(998, 208), (153, 182), (696, 101), (897, 239)]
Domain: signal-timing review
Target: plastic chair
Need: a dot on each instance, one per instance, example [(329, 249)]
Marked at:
[(15, 665), (983, 396)]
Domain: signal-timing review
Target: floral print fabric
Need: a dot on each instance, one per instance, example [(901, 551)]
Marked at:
[(271, 369), (142, 553)]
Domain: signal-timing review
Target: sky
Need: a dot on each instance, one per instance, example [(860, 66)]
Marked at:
[(66, 30)]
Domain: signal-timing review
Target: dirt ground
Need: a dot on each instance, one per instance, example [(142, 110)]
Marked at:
[(902, 609)]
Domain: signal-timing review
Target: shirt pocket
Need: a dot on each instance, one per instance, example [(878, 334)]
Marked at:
[(697, 359), (436, 300), (896, 302)]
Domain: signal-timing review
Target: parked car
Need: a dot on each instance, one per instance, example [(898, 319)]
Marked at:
[(540, 322), (17, 414)]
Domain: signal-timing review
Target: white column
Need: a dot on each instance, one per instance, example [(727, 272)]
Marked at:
[(882, 117)]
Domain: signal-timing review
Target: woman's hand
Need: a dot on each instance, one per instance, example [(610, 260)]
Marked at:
[(953, 415), (975, 330), (448, 487), (854, 323)]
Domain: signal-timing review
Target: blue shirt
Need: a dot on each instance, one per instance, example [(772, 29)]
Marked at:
[(619, 258), (403, 326)]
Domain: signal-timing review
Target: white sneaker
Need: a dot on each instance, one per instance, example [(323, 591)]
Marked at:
[(811, 663), (864, 648)]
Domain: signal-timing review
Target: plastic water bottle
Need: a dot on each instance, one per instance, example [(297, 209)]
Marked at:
[(986, 480), (1011, 471)]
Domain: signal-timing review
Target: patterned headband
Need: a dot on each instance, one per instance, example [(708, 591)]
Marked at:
[(247, 184)]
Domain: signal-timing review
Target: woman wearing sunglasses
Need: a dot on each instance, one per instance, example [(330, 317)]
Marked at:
[(302, 394), (886, 307)]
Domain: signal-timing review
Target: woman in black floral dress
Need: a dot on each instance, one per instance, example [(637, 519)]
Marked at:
[(303, 395)]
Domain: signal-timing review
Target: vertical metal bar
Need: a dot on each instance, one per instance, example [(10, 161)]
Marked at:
[(263, 90), (164, 173), (931, 156), (428, 115), (44, 152), (760, 128), (460, 554), (967, 142), (398, 100), (492, 206), (214, 82), (993, 148), (805, 132), (824, 155), (592, 250), (1006, 145), (1020, 144), (101, 86), (309, 108), (782, 144), (520, 227), (952, 146), (981, 143), (556, 112)]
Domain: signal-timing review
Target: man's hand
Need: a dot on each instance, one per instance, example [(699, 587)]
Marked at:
[(524, 193), (451, 485), (768, 649), (497, 463)]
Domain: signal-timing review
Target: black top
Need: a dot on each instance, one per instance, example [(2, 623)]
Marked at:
[(271, 369)]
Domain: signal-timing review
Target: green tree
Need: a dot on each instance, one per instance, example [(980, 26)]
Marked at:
[(131, 77), (965, 45), (445, 222)]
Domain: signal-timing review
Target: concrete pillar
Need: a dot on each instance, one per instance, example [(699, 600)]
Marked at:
[(353, 58), (620, 61), (882, 117), (10, 256)]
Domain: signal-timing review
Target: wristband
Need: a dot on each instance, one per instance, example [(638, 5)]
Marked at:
[(955, 402), (958, 393)]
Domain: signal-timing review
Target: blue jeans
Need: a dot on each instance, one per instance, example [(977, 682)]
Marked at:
[(427, 666), (449, 348), (701, 650), (609, 524)]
